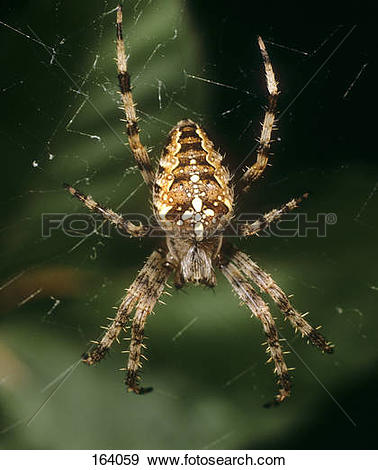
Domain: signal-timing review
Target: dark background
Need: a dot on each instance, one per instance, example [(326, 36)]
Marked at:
[(210, 382)]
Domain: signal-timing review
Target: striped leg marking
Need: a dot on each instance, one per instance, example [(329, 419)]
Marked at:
[(140, 153), (256, 170), (274, 215), (109, 215)]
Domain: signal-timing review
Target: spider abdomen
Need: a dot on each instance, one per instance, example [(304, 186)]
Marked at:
[(192, 192)]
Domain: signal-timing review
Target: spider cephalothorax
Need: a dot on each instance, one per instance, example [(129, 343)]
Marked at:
[(193, 203)]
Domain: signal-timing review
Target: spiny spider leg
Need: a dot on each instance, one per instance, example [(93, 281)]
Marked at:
[(260, 309), (247, 230), (266, 284), (108, 214), (138, 291), (256, 170), (140, 152), (144, 308)]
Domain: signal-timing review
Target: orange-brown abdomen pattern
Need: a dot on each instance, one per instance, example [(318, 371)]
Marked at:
[(192, 195)]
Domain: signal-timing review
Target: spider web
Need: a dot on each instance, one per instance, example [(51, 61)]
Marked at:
[(206, 362)]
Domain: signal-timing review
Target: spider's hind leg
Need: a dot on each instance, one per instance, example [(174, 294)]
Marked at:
[(257, 169), (139, 150)]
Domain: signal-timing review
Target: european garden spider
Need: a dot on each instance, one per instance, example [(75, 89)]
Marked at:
[(193, 202)]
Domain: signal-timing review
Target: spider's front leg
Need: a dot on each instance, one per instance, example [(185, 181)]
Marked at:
[(260, 309), (267, 284), (155, 283), (149, 282)]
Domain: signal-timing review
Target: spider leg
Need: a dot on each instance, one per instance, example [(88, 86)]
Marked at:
[(144, 308), (247, 230), (138, 149), (267, 284), (260, 309), (256, 170), (152, 272), (108, 214)]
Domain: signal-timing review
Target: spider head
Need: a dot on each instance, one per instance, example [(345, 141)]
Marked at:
[(196, 267), (194, 261)]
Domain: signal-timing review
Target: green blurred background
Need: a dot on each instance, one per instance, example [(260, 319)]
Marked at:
[(58, 95)]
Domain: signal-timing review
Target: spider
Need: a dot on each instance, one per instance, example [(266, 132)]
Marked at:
[(193, 202)]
